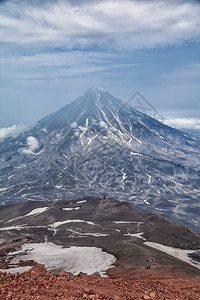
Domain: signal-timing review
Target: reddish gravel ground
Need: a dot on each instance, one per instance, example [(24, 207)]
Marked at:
[(38, 283)]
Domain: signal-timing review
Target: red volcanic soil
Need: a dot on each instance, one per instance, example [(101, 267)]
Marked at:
[(38, 283)]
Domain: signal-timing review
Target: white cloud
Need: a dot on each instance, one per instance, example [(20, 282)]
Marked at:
[(128, 24), (183, 123), (32, 144), (12, 131)]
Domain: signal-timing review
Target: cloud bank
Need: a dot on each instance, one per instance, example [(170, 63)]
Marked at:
[(129, 24), (183, 123), (12, 131)]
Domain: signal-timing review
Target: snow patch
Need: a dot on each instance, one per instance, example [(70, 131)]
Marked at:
[(58, 186), (66, 156), (56, 224), (146, 202), (123, 178), (33, 212), (91, 139), (72, 259), (149, 178), (3, 189), (21, 166), (137, 154), (36, 211), (96, 234), (82, 201), (11, 228), (70, 208), (83, 129), (138, 235), (38, 153)]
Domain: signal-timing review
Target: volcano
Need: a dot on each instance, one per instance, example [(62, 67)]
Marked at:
[(99, 144)]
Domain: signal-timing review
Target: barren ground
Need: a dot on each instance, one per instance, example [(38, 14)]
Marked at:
[(38, 283)]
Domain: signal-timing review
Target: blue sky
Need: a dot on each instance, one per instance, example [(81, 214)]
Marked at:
[(52, 51)]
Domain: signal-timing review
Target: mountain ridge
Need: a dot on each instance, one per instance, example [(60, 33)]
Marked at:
[(141, 244)]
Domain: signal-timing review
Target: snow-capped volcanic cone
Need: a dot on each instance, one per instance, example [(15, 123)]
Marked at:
[(98, 144)]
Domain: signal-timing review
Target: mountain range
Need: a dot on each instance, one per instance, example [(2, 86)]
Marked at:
[(99, 144)]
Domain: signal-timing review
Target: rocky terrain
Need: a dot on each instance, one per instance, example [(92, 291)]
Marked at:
[(38, 283), (46, 249)]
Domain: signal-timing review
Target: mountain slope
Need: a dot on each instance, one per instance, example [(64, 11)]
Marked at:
[(139, 244), (99, 144)]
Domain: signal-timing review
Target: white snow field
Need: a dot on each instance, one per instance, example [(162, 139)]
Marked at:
[(73, 259)]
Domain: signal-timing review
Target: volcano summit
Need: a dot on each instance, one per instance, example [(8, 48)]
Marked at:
[(98, 144)]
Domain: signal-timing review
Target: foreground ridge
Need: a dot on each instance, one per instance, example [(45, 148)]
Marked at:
[(38, 283), (92, 235)]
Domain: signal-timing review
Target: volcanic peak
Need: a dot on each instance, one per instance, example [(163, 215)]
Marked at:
[(97, 89)]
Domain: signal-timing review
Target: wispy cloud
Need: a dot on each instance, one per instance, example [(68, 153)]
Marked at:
[(128, 24), (12, 131), (59, 65)]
